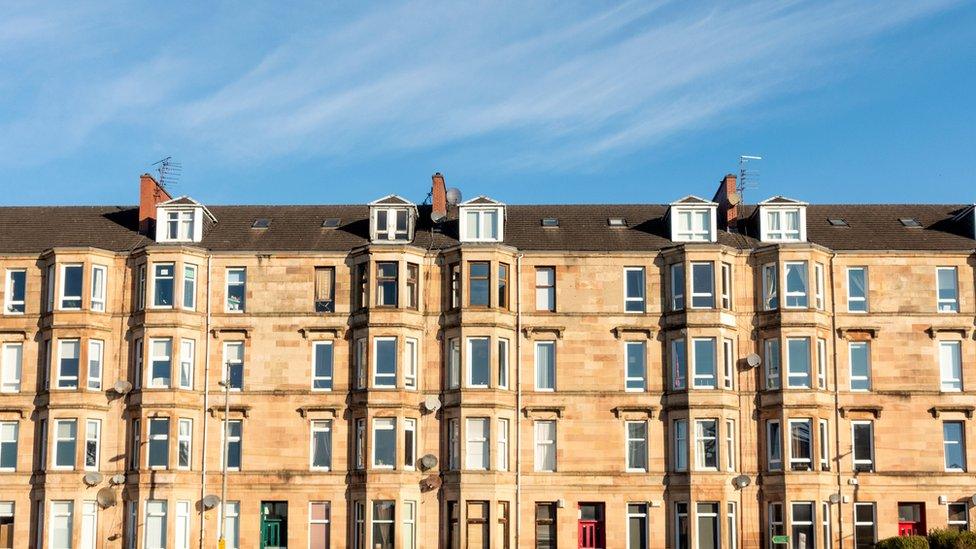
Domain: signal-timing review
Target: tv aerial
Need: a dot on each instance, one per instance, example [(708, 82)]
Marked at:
[(169, 171), (748, 176)]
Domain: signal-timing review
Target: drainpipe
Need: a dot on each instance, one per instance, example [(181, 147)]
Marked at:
[(516, 516), (833, 338), (206, 402)]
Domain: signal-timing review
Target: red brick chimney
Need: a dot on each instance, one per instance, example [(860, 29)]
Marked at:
[(150, 194), (728, 198), (438, 197)]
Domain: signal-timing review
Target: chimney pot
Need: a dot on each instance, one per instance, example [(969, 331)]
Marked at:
[(438, 197)]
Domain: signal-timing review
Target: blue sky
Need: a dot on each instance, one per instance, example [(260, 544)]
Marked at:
[(538, 102)]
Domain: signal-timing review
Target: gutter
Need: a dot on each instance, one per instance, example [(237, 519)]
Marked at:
[(518, 401), (206, 404), (833, 337)]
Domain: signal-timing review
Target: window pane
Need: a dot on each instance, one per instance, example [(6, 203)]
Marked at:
[(704, 350), (798, 354), (796, 284), (635, 366), (860, 366), (478, 358), (702, 285), (386, 362)]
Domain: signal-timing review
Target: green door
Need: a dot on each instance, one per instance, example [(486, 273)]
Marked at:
[(274, 524)]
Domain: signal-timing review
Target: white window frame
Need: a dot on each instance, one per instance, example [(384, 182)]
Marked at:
[(409, 447), (95, 364), (179, 222), (56, 440), (12, 364), (850, 359), (799, 461), (641, 515), (61, 289), (155, 280), (790, 375), (822, 363), (732, 524), (726, 289), (14, 428), (93, 435), (641, 299), (636, 467), (10, 305), (360, 450), (710, 293), (472, 442), (99, 287), (826, 529), (679, 365), (773, 363), (770, 287), (484, 233), (730, 447), (228, 363), (694, 362), (191, 281), (960, 524), (945, 305), (377, 377), (409, 524), (774, 460), (389, 233), (182, 525), (728, 360), (950, 367), (641, 349), (469, 362), (701, 439), (184, 437), (226, 437), (802, 296), (545, 290), (327, 521), (675, 272), (60, 510), (694, 224), (679, 437), (361, 362), (873, 524), (851, 299), (812, 523), (503, 358), (158, 437), (818, 284), (227, 285), (454, 444), (141, 286), (539, 344), (383, 424), (781, 233), (961, 443), (319, 426), (50, 286), (411, 363), (89, 524), (159, 513), (501, 456), (545, 446), (824, 444), (153, 357), (322, 378), (232, 509), (187, 359), (75, 378), (855, 460)]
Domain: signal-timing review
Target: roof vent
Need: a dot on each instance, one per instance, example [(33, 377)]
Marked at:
[(617, 222), (910, 222), (330, 223), (261, 223), (837, 222), (550, 222)]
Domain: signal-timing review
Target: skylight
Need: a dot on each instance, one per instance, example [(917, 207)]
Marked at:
[(330, 223), (550, 222), (910, 222), (617, 222), (837, 222), (261, 223)]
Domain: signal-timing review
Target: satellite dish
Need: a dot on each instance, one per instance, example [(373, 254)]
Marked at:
[(834, 498), (741, 481), (428, 462), (432, 403), (735, 198), (122, 387), (211, 501), (437, 217), (105, 498), (117, 479), (432, 482), (753, 360), (92, 478), (453, 196)]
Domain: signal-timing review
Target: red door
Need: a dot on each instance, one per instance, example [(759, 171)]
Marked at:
[(591, 527), (911, 519)]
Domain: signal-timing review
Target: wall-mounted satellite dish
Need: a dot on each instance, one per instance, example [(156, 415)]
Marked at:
[(437, 217), (105, 498), (431, 482), (122, 387), (432, 403), (753, 360), (211, 501), (92, 478), (741, 481), (453, 196), (428, 462), (117, 479)]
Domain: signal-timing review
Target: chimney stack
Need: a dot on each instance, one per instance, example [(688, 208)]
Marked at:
[(438, 197), (151, 194), (728, 198)]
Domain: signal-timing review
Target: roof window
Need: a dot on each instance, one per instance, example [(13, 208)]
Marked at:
[(617, 222), (837, 222), (550, 222), (261, 223), (330, 223), (910, 222)]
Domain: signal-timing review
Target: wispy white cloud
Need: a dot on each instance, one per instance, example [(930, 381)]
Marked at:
[(555, 84)]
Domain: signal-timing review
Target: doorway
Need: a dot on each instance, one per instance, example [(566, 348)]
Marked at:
[(911, 519), (592, 533), (274, 524)]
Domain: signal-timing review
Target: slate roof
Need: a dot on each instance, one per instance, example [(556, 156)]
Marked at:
[(581, 228)]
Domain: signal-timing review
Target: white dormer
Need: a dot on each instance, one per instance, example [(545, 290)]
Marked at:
[(692, 219), (481, 219), (392, 219), (181, 220), (782, 219)]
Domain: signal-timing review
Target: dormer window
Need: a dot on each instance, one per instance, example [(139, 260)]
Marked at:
[(482, 220), (181, 220), (179, 225), (392, 219), (782, 220), (693, 220)]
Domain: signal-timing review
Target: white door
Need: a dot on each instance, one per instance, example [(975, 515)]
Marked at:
[(89, 525)]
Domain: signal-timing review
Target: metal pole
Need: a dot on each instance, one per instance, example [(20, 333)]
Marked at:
[(223, 482)]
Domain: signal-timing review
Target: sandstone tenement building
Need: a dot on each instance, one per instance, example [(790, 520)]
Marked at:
[(450, 374)]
